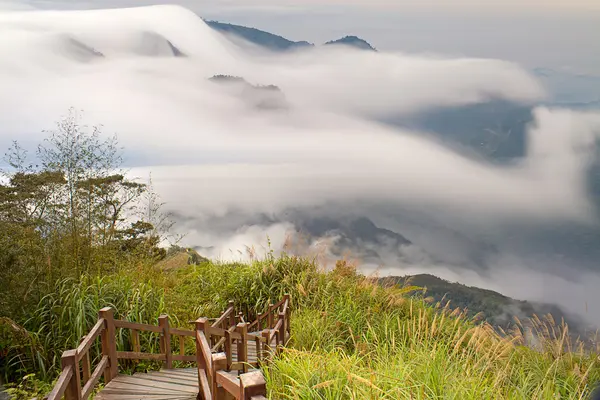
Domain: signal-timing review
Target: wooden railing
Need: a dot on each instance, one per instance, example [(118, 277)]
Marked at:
[(215, 344)]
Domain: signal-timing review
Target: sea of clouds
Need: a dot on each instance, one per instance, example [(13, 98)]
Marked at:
[(218, 162)]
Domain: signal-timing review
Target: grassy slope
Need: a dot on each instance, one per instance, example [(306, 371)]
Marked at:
[(351, 339)]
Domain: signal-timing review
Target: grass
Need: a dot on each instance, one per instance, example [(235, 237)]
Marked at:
[(351, 339)]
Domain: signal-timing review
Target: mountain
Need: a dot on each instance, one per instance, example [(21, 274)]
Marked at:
[(569, 88), (359, 237), (495, 129), (353, 41), (262, 97), (497, 309), (278, 43), (256, 36)]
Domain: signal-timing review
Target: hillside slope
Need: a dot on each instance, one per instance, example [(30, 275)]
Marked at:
[(493, 307)]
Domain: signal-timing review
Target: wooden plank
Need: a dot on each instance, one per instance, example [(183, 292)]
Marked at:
[(148, 385), (221, 332), (206, 354), (89, 339), (91, 383), (182, 332), (61, 384), (176, 373), (130, 355), (134, 325), (188, 380), (230, 383), (140, 390), (181, 371), (204, 385), (166, 379), (179, 357)]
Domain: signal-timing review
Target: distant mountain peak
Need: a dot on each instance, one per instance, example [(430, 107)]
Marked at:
[(354, 41), (279, 43), (258, 37)]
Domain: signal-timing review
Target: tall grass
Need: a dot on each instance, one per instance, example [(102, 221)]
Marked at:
[(66, 314), (351, 338)]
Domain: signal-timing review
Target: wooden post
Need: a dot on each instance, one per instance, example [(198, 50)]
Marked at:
[(252, 384), (165, 341), (228, 349), (69, 358), (182, 345), (289, 313), (270, 317), (242, 349), (199, 355), (258, 348), (205, 327), (219, 362), (109, 344), (266, 347), (232, 315), (282, 328), (135, 341)]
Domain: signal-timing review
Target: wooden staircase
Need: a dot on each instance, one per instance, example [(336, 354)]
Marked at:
[(229, 355)]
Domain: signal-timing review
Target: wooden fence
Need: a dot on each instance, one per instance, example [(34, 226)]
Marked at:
[(221, 347)]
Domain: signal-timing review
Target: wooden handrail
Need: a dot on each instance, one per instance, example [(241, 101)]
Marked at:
[(210, 366), (223, 316), (87, 342), (138, 326), (95, 378), (204, 385), (272, 308), (61, 385), (222, 340), (182, 332)]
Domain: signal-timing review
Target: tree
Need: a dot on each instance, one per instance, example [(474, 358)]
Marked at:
[(72, 210)]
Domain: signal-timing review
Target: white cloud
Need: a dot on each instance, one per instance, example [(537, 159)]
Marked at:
[(211, 154)]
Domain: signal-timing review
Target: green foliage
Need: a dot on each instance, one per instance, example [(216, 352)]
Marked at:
[(70, 211), (29, 387), (351, 338), (66, 314)]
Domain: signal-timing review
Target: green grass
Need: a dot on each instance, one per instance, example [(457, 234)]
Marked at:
[(351, 339)]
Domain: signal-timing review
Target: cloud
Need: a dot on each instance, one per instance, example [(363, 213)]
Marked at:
[(217, 160)]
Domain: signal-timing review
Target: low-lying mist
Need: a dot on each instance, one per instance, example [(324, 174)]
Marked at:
[(233, 172)]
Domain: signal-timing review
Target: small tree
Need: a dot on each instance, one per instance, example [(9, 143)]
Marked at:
[(72, 210)]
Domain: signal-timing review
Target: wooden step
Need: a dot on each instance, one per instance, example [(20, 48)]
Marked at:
[(176, 384)]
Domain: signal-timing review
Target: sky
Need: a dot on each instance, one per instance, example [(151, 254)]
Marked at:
[(559, 34), (218, 162)]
